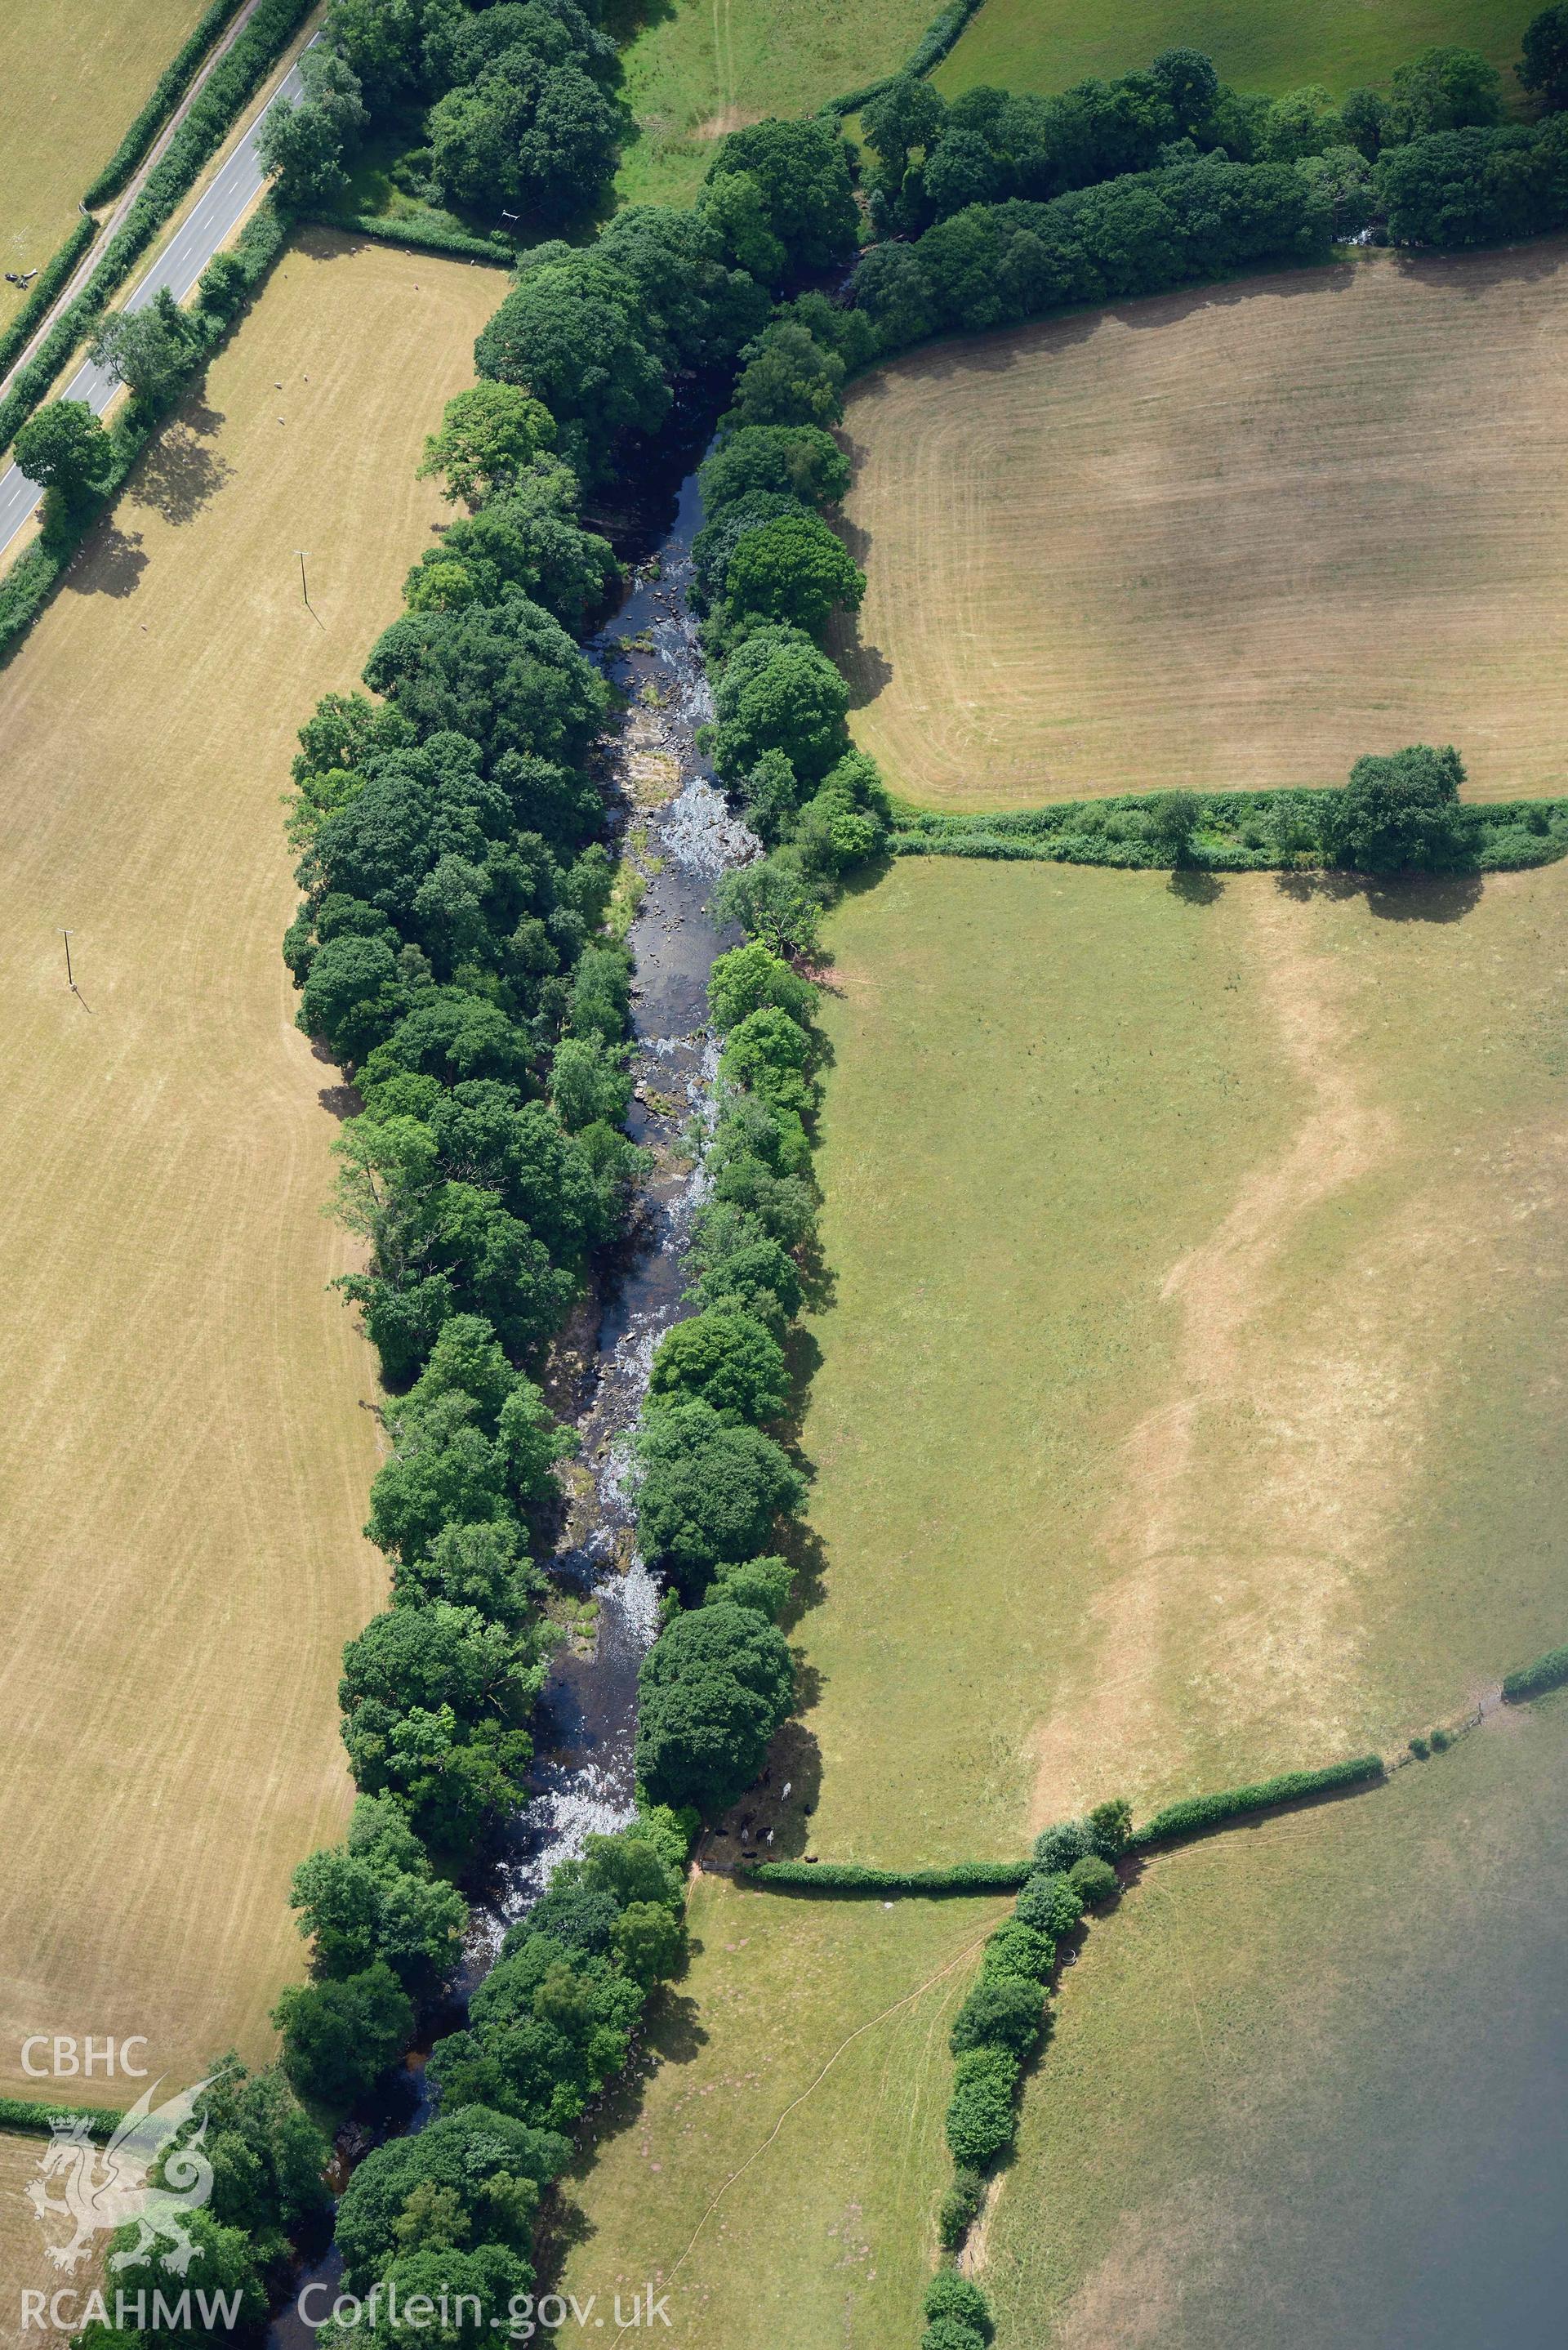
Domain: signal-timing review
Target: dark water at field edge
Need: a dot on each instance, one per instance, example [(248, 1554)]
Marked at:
[(665, 811)]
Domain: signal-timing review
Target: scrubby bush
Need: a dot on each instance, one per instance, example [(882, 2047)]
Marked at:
[(1051, 1903), (1001, 2011), (1093, 1880), (960, 2207), (1017, 1950), (980, 2120), (960, 2299)]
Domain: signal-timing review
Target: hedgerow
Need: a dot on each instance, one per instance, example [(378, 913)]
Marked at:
[(226, 291), (1547, 1672), (167, 91), (233, 80), (851, 1876), (1201, 1813), (51, 278)]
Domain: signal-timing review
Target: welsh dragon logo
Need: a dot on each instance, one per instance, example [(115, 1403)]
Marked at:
[(110, 2187)]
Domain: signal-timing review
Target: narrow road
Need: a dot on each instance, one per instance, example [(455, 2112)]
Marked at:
[(211, 220)]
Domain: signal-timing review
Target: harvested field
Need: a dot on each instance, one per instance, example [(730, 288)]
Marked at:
[(1189, 1407), (1045, 45), (188, 1435), (76, 73), (1228, 539), (24, 2255)]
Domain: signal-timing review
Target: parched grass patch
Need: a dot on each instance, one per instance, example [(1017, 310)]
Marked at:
[(1307, 2084), (1187, 1410), (24, 2262), (189, 1429), (1225, 540), (702, 68), (76, 72), (1046, 44)]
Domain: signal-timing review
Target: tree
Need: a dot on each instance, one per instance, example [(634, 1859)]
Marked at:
[(490, 2166), (1173, 819), (650, 1940), (798, 461), (1340, 180), (1190, 85), (1001, 2011), (64, 448), (1543, 59), (1399, 812), (149, 350), (527, 134), (751, 978), (224, 2262), (725, 1357), (566, 335), (488, 434), (338, 2038), (380, 39), (803, 168), (589, 1082), (268, 2157), (353, 995), (712, 1690), (301, 146), (373, 1897), (736, 211), (709, 1493), (794, 570), (1303, 122), (524, 535), (789, 379), (508, 677), (1443, 89), (773, 900), (778, 691)]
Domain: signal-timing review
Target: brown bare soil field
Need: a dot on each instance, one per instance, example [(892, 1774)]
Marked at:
[(1223, 540), (187, 1436)]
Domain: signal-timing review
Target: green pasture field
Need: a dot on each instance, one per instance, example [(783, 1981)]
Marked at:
[(1307, 2083), (1187, 1409), (1268, 44), (701, 68)]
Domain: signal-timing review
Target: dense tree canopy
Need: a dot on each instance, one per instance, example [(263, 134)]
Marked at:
[(708, 1491), (1398, 811), (803, 171), (712, 1691), (64, 447)]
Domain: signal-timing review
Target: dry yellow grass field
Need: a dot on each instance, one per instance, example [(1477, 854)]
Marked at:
[(189, 1437), (24, 2256), (75, 76), (1228, 539)]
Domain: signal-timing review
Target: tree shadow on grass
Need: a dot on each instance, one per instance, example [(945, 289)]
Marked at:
[(1391, 897), (1193, 885), (179, 475), (111, 564)]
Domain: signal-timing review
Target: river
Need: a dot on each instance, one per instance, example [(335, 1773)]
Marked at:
[(673, 821)]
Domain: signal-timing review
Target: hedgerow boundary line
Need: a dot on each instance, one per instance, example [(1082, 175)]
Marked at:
[(1073, 1871), (233, 82)]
